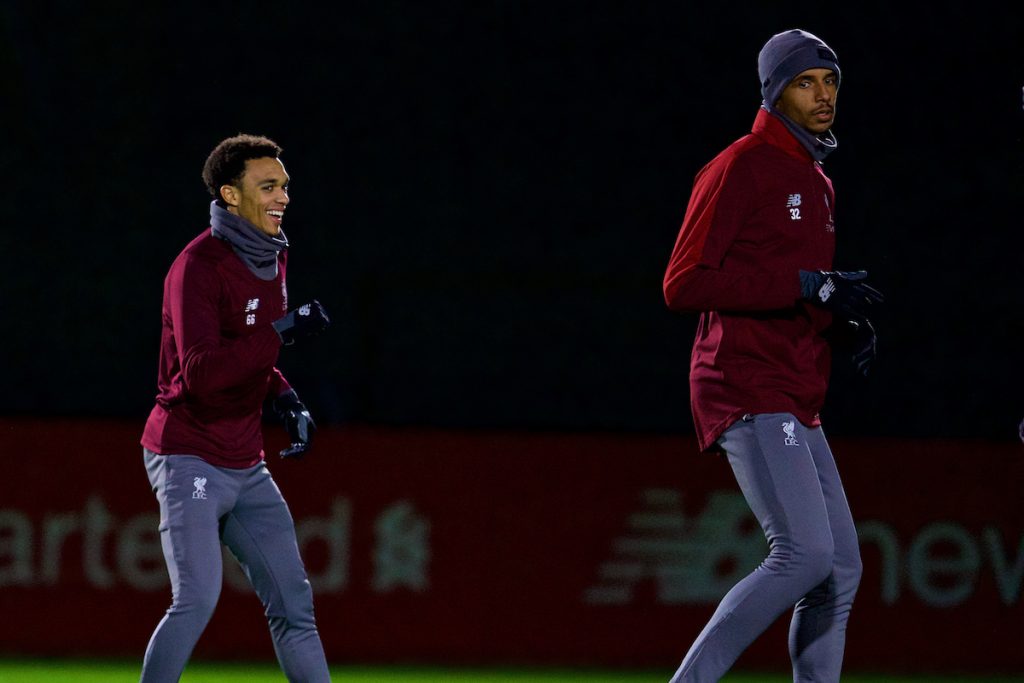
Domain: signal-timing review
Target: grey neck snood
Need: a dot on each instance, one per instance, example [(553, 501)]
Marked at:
[(819, 146), (257, 250)]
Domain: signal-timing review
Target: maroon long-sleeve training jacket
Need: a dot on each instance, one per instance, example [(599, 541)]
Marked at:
[(759, 212), (217, 355)]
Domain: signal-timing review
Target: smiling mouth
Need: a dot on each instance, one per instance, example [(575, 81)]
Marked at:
[(276, 216)]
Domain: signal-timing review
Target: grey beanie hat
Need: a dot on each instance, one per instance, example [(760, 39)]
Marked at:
[(788, 54)]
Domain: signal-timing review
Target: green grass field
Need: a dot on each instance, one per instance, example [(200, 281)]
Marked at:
[(87, 671)]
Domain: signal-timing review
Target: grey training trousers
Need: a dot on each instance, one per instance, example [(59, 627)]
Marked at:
[(202, 506), (789, 478)]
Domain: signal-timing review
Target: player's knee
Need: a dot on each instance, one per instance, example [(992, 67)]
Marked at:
[(848, 569), (294, 624), (816, 563), (199, 601), (294, 611)]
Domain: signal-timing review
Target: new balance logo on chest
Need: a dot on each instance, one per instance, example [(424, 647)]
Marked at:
[(793, 203), (251, 305)]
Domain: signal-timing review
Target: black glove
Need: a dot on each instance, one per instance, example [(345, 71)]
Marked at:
[(865, 344), (305, 321), (857, 336), (842, 292), (297, 421)]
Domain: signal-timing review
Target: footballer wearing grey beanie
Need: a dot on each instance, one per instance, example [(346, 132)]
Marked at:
[(785, 56), (788, 54)]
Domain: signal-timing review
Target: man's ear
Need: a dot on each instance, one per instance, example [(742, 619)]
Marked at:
[(229, 193)]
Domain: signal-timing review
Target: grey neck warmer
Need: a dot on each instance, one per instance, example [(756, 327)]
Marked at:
[(257, 250), (819, 146)]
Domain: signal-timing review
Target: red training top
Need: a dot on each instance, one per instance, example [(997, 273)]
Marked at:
[(759, 213), (217, 355)]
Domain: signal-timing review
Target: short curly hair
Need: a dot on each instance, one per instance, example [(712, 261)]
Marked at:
[(226, 163)]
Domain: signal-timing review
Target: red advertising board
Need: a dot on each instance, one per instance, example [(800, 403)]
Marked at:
[(476, 547)]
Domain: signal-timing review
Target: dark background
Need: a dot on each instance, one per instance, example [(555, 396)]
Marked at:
[(485, 196)]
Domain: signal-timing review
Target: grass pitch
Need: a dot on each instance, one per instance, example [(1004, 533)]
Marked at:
[(99, 671)]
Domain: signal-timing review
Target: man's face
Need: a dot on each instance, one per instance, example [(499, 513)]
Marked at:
[(810, 100), (261, 196)]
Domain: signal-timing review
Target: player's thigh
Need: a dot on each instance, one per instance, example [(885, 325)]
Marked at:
[(840, 518), (192, 495), (260, 533), (775, 470)]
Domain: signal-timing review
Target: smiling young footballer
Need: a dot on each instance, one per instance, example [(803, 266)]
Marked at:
[(224, 320), (754, 258)]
